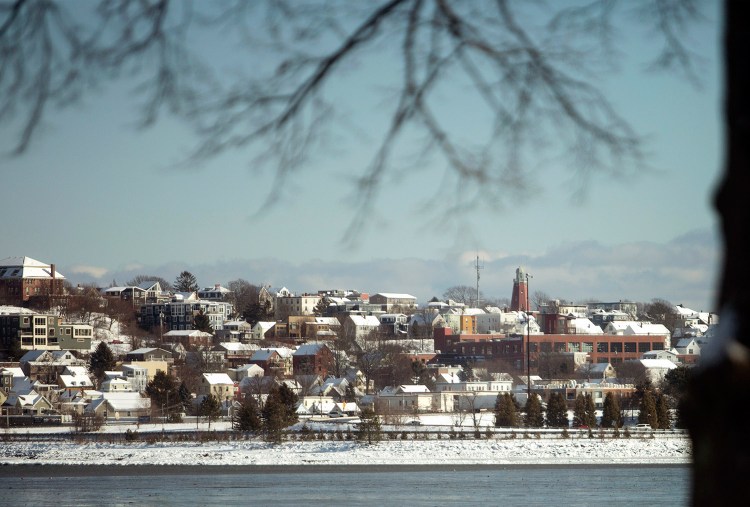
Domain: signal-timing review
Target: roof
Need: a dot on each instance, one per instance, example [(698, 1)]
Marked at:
[(584, 326), (237, 346), (218, 378), (309, 349), (658, 363), (393, 295), (26, 267), (365, 320)]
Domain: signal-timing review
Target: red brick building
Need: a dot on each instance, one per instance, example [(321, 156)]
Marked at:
[(24, 278), (601, 348)]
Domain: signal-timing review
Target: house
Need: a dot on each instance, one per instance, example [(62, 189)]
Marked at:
[(119, 405), (421, 324), (235, 353), (137, 376), (404, 398), (390, 302), (189, 338), (321, 328), (215, 293), (472, 395), (218, 385), (394, 325), (291, 305), (116, 385), (688, 350), (657, 368), (262, 330), (312, 358), (275, 361), (149, 354), (24, 278), (358, 327), (669, 355), (74, 380), (235, 331), (244, 371), (46, 365)]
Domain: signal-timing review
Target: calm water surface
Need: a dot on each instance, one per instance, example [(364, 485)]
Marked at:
[(526, 486)]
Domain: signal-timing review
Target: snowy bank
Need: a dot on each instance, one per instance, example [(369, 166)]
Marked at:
[(326, 452)]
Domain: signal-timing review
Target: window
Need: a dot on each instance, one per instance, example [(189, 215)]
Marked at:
[(630, 347), (644, 347), (616, 348), (588, 347)]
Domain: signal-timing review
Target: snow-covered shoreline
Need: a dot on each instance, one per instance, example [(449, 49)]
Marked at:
[(519, 451)]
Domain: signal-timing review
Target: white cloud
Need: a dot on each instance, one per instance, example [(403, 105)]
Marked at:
[(682, 271), (93, 271)]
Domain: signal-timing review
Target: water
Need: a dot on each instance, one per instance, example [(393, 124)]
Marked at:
[(522, 486)]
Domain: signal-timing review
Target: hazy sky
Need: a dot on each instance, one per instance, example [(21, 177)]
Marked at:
[(104, 200)]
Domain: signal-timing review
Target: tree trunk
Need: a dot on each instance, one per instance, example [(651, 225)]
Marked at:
[(718, 406)]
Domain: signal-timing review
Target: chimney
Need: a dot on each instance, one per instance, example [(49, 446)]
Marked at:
[(52, 270)]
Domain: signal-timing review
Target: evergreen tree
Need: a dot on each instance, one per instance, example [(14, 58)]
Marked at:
[(590, 413), (186, 399), (611, 417), (279, 411), (647, 410), (185, 282), (534, 417), (210, 408), (663, 419), (350, 395), (580, 417), (505, 411), (101, 360), (247, 416), (165, 397), (201, 322), (557, 411), (369, 426)]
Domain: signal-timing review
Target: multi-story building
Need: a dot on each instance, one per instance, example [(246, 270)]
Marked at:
[(179, 313), (36, 331), (291, 305), (24, 278)]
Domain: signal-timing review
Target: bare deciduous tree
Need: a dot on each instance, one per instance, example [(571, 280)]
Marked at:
[(531, 69)]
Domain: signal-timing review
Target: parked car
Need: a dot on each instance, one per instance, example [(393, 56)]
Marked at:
[(414, 422)]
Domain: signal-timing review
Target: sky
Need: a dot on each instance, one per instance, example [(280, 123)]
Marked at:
[(106, 200)]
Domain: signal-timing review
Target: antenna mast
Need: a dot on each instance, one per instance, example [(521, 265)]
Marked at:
[(478, 267)]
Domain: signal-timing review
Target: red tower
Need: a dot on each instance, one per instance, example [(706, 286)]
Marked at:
[(519, 301)]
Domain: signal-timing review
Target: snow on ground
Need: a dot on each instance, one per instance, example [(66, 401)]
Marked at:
[(498, 450)]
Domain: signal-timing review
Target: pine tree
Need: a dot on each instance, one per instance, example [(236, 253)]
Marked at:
[(210, 408), (101, 360), (611, 417), (369, 426), (164, 394), (247, 417), (278, 412), (647, 410), (579, 411), (186, 399), (201, 322), (505, 411), (185, 282), (664, 421), (534, 417), (590, 419), (557, 411)]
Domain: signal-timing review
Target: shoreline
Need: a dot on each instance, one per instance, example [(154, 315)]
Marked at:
[(36, 470)]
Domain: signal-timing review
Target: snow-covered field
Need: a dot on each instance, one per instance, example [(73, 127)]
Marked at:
[(498, 450)]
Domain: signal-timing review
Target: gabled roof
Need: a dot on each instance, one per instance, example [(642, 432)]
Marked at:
[(309, 349), (26, 267), (658, 363), (218, 378)]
